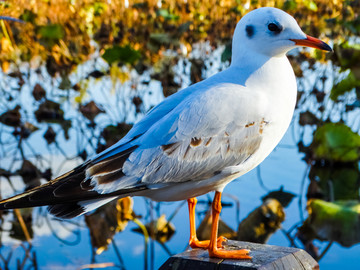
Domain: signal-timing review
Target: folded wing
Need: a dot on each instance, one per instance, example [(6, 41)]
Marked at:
[(189, 137)]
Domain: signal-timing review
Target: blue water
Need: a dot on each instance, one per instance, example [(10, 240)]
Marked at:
[(283, 167)]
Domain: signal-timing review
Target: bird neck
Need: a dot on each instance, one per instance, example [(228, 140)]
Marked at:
[(258, 71), (246, 65), (251, 61), (246, 56)]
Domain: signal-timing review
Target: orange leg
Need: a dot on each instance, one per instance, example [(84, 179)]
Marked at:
[(193, 241), (214, 251)]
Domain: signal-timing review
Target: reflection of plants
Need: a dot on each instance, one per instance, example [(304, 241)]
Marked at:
[(335, 143), (333, 221), (261, 223), (329, 115)]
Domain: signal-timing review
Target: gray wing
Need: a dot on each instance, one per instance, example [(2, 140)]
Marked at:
[(189, 137), (205, 133)]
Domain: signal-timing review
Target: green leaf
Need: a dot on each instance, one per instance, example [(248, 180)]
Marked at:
[(289, 5), (51, 31), (336, 142), (124, 54), (334, 221), (336, 182), (28, 16), (344, 86), (167, 15)]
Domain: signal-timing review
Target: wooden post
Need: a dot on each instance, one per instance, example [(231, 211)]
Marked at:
[(265, 257)]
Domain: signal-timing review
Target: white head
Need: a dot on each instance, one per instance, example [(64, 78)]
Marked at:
[(271, 32)]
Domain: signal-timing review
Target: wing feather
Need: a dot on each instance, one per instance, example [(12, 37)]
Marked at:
[(197, 138), (189, 137)]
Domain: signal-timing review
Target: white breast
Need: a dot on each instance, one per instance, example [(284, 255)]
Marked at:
[(275, 80)]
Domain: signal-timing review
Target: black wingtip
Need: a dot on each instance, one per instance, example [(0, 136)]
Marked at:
[(67, 210)]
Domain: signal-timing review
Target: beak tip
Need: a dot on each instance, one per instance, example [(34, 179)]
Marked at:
[(326, 47), (313, 43)]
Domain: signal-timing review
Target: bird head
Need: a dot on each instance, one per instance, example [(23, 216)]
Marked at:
[(271, 32)]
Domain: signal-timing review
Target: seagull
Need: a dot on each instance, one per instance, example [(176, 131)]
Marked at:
[(197, 140)]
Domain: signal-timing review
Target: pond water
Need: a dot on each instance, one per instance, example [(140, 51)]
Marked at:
[(283, 167), (60, 244)]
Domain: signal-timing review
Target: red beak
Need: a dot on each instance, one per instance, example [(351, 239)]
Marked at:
[(313, 43)]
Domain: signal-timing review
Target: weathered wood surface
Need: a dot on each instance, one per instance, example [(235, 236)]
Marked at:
[(265, 257)]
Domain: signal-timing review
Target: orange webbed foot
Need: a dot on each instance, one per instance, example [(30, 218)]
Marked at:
[(239, 254), (214, 246), (195, 243), (214, 250)]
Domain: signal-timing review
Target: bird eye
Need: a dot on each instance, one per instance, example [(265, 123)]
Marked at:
[(274, 28)]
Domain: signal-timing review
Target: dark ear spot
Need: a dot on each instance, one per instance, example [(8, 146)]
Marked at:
[(250, 31)]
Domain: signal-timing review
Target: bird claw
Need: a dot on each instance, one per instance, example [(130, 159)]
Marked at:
[(220, 240), (219, 252), (195, 243)]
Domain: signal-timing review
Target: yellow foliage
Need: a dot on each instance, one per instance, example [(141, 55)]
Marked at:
[(83, 90), (5, 66), (124, 76), (6, 46), (118, 73), (125, 212), (108, 22)]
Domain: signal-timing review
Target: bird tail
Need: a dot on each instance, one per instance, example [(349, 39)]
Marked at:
[(74, 209), (67, 196)]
